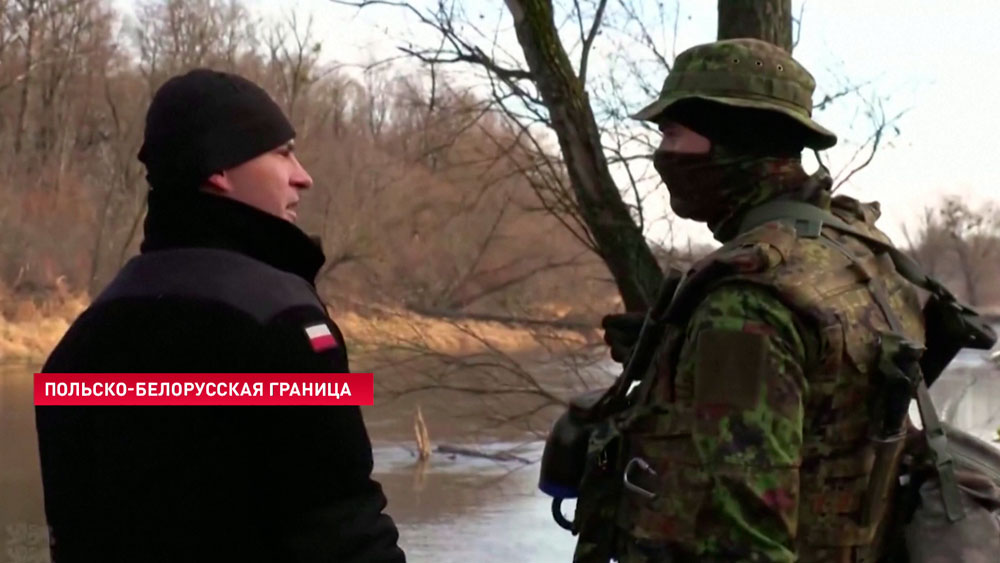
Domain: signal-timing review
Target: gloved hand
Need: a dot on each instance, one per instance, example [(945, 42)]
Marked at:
[(621, 333)]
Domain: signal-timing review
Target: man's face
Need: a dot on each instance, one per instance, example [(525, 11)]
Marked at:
[(681, 140), (270, 182), (680, 162)]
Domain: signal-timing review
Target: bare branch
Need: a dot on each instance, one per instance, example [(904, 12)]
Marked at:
[(797, 22), (647, 38), (673, 38), (517, 279), (589, 40), (847, 90), (872, 144)]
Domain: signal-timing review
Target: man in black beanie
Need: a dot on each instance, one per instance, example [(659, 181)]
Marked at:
[(224, 284)]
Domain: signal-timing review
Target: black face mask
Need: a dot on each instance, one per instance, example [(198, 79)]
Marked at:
[(713, 186)]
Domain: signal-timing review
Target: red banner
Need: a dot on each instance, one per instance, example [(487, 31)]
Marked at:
[(139, 389)]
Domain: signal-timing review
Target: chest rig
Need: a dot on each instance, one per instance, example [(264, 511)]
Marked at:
[(856, 305)]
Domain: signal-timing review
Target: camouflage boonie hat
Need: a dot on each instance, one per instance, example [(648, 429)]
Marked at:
[(747, 73)]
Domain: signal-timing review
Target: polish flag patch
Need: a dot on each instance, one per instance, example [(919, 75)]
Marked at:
[(320, 338)]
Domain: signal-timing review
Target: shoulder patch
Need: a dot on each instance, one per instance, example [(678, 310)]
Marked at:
[(320, 337), (730, 368)]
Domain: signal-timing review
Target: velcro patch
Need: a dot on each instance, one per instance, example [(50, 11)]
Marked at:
[(730, 368)]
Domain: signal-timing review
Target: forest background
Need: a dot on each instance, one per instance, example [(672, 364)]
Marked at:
[(468, 242)]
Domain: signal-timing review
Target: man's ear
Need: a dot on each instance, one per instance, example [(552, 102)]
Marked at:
[(219, 182)]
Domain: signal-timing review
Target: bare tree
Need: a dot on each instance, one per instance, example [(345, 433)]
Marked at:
[(961, 246), (929, 243), (974, 241), (426, 193), (182, 34), (547, 93), (770, 20), (294, 53), (550, 91), (29, 17)]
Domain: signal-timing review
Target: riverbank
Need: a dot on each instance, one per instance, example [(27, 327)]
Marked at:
[(30, 328)]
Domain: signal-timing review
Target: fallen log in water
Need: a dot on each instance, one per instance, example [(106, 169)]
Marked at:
[(498, 456)]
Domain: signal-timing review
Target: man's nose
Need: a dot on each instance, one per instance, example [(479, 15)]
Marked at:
[(300, 178)]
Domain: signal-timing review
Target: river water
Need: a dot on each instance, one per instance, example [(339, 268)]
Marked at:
[(453, 508)]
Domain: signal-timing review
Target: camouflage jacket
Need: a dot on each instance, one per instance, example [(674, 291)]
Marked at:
[(754, 416)]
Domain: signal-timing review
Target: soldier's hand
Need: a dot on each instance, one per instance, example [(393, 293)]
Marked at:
[(621, 332)]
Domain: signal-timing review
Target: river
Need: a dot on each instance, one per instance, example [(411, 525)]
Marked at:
[(455, 508)]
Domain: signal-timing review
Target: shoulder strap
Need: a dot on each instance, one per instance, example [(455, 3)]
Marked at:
[(809, 220)]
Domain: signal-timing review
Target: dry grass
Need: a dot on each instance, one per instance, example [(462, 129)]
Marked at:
[(392, 328), (30, 328)]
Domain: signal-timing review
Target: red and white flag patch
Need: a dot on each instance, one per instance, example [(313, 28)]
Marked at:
[(320, 338)]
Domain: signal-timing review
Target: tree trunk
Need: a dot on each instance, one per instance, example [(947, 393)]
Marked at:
[(968, 267), (620, 242), (95, 258), (770, 20), (29, 61)]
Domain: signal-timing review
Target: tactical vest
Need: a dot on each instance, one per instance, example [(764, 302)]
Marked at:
[(849, 297)]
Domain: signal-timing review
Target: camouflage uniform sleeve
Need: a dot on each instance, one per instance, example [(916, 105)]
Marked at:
[(742, 360)]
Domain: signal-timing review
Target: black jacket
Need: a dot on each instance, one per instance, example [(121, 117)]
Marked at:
[(219, 287)]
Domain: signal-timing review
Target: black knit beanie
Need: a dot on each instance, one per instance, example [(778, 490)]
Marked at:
[(204, 122)]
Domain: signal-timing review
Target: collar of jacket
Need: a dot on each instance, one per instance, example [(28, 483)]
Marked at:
[(814, 189), (202, 220)]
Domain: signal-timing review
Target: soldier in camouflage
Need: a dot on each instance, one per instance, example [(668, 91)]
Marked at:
[(749, 437)]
